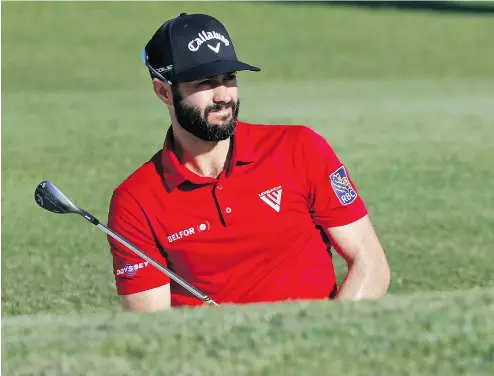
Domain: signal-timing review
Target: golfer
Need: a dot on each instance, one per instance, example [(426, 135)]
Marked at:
[(246, 213)]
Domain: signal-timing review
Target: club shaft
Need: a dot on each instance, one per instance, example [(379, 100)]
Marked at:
[(157, 265)]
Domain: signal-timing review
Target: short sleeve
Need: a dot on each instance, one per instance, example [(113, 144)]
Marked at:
[(133, 273), (333, 197)]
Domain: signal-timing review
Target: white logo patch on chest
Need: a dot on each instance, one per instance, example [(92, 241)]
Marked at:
[(272, 197), (189, 231)]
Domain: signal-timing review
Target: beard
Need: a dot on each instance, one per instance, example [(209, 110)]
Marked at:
[(190, 118)]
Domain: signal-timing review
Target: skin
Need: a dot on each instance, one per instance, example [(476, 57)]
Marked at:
[(368, 275), (205, 158)]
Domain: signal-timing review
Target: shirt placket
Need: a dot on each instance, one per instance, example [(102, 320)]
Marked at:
[(223, 200)]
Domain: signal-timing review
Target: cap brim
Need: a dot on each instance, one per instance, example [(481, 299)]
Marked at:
[(212, 69)]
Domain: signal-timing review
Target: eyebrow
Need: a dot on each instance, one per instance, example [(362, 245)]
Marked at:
[(211, 77)]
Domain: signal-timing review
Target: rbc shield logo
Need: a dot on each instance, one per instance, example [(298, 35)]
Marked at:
[(342, 187)]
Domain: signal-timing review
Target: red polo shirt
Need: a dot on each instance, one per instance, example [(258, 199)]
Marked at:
[(252, 235)]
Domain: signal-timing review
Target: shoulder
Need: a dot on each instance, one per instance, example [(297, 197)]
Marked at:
[(272, 128), (299, 136), (300, 132), (141, 180)]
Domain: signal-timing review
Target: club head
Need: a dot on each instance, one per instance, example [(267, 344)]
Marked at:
[(50, 198)]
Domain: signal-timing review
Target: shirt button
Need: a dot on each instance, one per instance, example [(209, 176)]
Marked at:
[(219, 186), (228, 210)]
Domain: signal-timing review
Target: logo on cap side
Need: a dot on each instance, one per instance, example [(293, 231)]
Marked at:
[(165, 69), (203, 37)]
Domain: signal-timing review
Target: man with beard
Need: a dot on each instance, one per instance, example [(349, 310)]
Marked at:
[(246, 213)]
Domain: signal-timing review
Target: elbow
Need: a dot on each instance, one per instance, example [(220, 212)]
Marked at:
[(383, 277), (379, 279), (386, 278)]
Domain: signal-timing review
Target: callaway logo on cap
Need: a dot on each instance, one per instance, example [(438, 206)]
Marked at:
[(191, 47)]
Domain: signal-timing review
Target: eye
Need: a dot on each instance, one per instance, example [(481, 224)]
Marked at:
[(231, 76), (205, 83)]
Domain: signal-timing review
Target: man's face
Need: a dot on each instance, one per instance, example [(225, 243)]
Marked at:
[(208, 108)]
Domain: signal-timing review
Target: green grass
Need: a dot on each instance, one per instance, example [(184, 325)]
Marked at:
[(441, 334), (404, 98)]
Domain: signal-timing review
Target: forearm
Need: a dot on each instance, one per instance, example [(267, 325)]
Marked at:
[(364, 280)]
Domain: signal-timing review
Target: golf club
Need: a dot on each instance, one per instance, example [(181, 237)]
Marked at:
[(50, 198)]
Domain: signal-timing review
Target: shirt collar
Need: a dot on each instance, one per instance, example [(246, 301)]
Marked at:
[(175, 173)]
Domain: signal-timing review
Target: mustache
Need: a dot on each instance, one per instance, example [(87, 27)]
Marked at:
[(220, 106)]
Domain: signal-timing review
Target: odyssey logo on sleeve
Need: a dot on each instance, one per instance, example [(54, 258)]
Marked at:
[(131, 270)]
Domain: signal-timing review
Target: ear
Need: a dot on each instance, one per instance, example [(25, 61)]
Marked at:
[(163, 90)]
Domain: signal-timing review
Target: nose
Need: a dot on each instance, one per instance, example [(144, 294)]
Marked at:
[(221, 94)]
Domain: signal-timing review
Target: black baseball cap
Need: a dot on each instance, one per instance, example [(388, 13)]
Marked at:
[(191, 47)]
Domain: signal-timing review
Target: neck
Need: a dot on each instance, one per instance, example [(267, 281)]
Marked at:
[(205, 158)]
